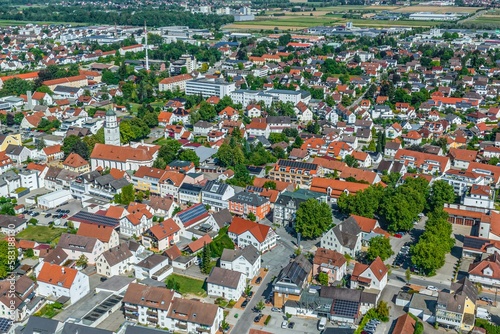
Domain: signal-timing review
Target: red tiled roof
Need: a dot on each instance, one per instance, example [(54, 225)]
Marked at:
[(57, 275)]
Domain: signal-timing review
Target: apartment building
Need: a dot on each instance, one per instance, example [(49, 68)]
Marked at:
[(174, 83), (209, 87), (300, 173)]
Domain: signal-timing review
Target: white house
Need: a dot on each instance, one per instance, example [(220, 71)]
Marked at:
[(393, 131), (216, 195), (344, 238), (246, 261), (57, 281), (480, 196), (225, 283), (245, 232), (154, 266), (115, 261), (373, 276), (76, 246)]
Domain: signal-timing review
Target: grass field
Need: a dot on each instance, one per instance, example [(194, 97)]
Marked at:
[(436, 9), (188, 285), (40, 234)]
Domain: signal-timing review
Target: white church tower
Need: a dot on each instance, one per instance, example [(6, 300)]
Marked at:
[(111, 129)]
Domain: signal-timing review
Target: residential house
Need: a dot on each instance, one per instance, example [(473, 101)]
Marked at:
[(300, 173), (373, 276), (424, 162), (393, 131), (216, 195), (480, 196), (330, 262), (245, 232), (391, 148), (460, 158), (105, 233), (155, 266), (115, 261), (77, 245), (161, 236), (245, 203), (246, 261), (486, 272), (344, 238), (291, 281), (75, 163), (57, 281), (191, 316), (226, 283), (287, 204)]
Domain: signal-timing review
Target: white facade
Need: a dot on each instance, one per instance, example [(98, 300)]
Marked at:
[(227, 292), (54, 199), (78, 288), (209, 87), (111, 129), (330, 241), (242, 265)]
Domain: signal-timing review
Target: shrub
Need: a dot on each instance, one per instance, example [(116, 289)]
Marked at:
[(267, 320)]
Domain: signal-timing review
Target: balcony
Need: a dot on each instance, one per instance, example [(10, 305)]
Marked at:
[(181, 325), (153, 313), (153, 319), (131, 315), (130, 308), (203, 329)]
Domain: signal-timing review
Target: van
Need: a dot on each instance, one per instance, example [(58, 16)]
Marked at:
[(322, 323)]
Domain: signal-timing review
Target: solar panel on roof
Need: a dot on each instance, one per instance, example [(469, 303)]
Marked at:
[(5, 325), (194, 212), (95, 219), (346, 308), (297, 164), (474, 243)]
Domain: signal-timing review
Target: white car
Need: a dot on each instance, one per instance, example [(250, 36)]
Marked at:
[(432, 288), (284, 324)]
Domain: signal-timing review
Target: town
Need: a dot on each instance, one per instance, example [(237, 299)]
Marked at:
[(166, 178)]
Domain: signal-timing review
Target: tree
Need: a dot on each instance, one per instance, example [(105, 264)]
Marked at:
[(207, 111), (351, 161), (16, 86), (269, 185), (205, 260), (168, 151), (190, 155), (251, 217), (8, 258), (260, 305), (383, 310), (75, 144), (441, 192), (408, 275), (379, 247), (40, 144), (126, 196), (82, 261), (313, 218), (323, 278)]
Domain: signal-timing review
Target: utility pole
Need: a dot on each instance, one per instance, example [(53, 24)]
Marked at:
[(146, 47)]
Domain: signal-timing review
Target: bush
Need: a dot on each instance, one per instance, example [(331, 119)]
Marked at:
[(267, 320), (490, 328), (419, 328)]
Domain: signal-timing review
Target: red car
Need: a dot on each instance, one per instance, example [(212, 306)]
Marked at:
[(397, 235)]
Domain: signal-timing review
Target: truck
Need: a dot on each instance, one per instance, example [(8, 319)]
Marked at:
[(483, 313)]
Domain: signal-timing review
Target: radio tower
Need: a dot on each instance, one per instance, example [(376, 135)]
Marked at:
[(146, 39)]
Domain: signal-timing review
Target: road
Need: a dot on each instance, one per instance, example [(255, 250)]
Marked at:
[(274, 260)]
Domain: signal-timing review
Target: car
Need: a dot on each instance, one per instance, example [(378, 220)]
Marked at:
[(258, 280), (65, 216), (376, 321), (103, 279), (58, 210), (486, 299), (66, 211), (250, 294), (48, 215), (197, 261), (284, 324), (244, 304), (275, 309), (432, 288), (398, 235), (367, 332), (421, 215), (370, 327), (291, 325), (35, 214), (278, 237), (258, 317)]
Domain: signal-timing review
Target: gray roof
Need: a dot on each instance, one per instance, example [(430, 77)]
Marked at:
[(223, 217), (77, 242), (250, 253), (347, 232), (296, 271), (204, 153), (465, 287), (37, 325), (451, 302), (143, 330), (224, 277), (152, 261), (70, 328), (249, 198), (117, 254), (14, 149), (66, 89), (423, 302), (215, 187), (6, 220)]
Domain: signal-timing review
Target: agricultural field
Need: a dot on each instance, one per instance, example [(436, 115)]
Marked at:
[(5, 23)]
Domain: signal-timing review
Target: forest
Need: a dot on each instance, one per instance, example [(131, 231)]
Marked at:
[(164, 16)]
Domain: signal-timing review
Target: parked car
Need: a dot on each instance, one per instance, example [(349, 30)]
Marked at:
[(48, 215), (244, 304), (291, 325), (432, 288), (284, 324), (275, 309), (486, 299), (398, 235), (103, 279), (258, 280), (35, 214), (258, 317)]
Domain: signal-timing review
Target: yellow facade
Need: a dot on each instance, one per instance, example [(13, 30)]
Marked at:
[(13, 139)]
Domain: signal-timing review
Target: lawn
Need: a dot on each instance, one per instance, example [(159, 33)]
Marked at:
[(4, 23), (188, 285), (40, 234)]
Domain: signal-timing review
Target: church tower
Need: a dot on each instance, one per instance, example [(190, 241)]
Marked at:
[(111, 129)]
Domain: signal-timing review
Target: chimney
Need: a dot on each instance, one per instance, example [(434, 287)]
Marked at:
[(30, 100), (63, 271)]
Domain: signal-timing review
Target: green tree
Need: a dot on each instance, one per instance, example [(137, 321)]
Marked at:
[(82, 261), (260, 305), (126, 196), (190, 155), (207, 111), (269, 185), (16, 86), (205, 260), (251, 217), (7, 254), (168, 151), (408, 275), (313, 218), (441, 192), (383, 310), (379, 247), (323, 278), (351, 161), (75, 144)]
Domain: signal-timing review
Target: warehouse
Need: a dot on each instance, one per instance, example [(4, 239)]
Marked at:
[(426, 16), (54, 199)]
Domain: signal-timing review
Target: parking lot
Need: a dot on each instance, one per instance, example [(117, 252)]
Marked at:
[(61, 213)]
